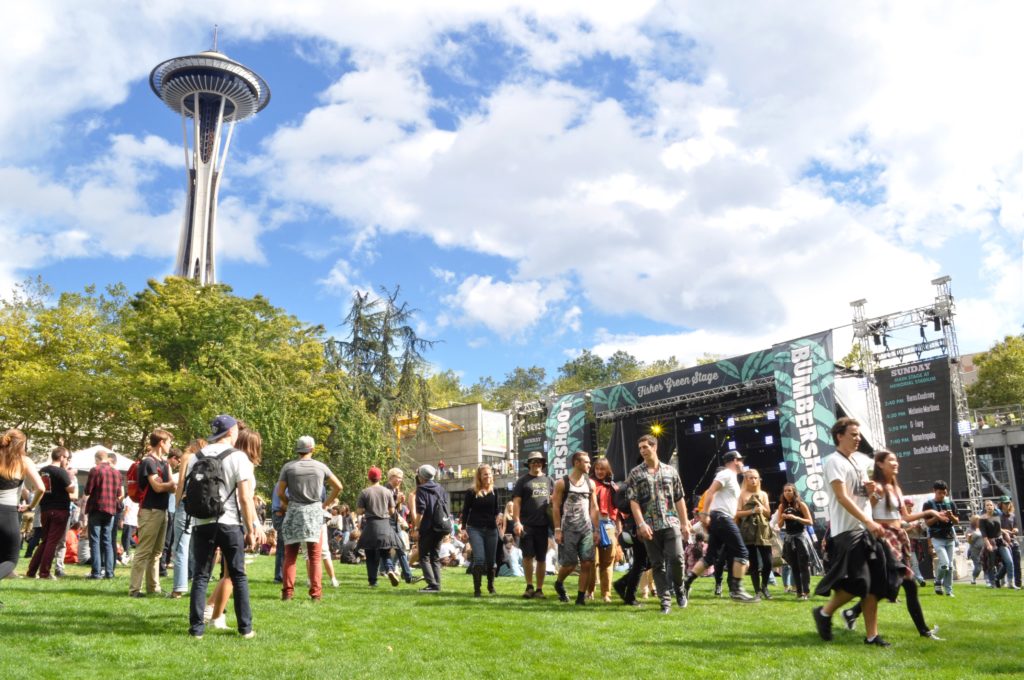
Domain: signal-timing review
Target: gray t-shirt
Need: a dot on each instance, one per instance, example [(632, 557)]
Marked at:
[(376, 501), (305, 479)]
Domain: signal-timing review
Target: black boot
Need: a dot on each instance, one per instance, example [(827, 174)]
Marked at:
[(736, 591), (477, 577), (490, 582)]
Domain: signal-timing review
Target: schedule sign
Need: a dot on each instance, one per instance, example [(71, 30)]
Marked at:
[(918, 417)]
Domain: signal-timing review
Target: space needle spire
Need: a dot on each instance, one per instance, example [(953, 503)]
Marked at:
[(212, 93)]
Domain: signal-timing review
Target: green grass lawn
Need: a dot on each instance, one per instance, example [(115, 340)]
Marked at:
[(76, 628)]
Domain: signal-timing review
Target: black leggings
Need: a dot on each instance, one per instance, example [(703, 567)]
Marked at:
[(760, 565), (10, 539), (913, 606)]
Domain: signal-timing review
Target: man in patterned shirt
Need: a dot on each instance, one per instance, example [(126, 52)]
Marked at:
[(655, 495), (103, 491)]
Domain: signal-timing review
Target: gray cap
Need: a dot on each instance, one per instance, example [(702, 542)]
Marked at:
[(304, 444), (426, 472)]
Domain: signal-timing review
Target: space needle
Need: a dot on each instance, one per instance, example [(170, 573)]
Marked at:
[(212, 91)]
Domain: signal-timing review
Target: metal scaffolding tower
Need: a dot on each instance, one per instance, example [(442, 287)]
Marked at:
[(874, 333)]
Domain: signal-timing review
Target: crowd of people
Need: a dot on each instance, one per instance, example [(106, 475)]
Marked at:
[(189, 511)]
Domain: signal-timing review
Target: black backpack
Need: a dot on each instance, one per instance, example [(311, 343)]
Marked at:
[(621, 500), (441, 518), (203, 486)]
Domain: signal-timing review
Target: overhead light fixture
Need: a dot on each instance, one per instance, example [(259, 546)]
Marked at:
[(732, 445), (696, 427), (769, 440), (770, 415), (877, 338), (937, 322), (657, 429), (730, 421)]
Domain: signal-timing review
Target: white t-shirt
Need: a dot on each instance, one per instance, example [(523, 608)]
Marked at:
[(237, 467), (851, 472), (131, 512), (726, 498)]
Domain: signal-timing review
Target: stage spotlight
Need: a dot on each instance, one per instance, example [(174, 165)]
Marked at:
[(769, 440), (657, 429), (701, 418), (922, 332), (732, 445), (877, 338), (749, 411), (770, 415), (730, 421), (696, 427), (757, 430), (712, 436), (937, 324)]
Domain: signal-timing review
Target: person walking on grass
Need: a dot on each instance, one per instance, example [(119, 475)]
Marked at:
[(480, 515), (103, 490), (721, 503), (942, 536), (431, 505), (235, 529), (793, 517), (888, 510), (576, 518), (852, 571), (377, 505), (658, 505), (156, 485), (53, 498), (609, 529), (15, 468), (400, 526), (531, 505), (304, 480), (754, 518)]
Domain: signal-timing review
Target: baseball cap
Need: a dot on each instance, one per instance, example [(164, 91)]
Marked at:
[(304, 444), (730, 456), (220, 426), (1004, 499), (426, 472)]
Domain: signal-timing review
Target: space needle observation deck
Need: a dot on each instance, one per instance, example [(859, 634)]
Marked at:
[(211, 90)]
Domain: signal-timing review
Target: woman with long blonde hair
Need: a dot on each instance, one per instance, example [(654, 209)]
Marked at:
[(15, 467), (480, 516)]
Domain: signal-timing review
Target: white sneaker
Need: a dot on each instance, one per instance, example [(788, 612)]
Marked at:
[(220, 623), (208, 613), (334, 582)]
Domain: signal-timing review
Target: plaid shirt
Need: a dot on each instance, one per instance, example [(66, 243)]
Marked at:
[(103, 488), (656, 494)]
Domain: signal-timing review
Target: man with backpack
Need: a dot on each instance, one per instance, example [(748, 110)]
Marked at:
[(153, 479), (574, 510), (434, 523), (218, 495)]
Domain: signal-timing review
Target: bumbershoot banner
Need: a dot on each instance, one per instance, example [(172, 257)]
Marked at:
[(804, 386), (564, 428)]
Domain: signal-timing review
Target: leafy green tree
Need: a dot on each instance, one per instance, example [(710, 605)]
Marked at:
[(384, 358), (522, 384), (1000, 375), (445, 389)]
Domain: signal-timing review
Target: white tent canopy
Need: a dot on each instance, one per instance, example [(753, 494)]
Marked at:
[(85, 460)]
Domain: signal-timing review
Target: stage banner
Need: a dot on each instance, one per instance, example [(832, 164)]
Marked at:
[(564, 428), (804, 387), (531, 435), (919, 423), (649, 391)]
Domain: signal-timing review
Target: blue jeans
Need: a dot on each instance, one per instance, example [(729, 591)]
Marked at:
[(101, 544), (206, 538), (1003, 553), (181, 547), (484, 543), (944, 573)]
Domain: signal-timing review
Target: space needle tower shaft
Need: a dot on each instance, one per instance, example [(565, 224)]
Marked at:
[(211, 93)]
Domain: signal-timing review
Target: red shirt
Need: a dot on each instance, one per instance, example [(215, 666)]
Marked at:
[(103, 487), (606, 499)]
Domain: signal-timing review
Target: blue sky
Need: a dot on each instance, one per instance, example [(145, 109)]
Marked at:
[(541, 179)]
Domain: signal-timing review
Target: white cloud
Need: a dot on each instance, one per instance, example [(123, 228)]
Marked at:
[(506, 308), (443, 274)]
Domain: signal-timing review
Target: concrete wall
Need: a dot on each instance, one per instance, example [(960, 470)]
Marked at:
[(464, 447)]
